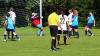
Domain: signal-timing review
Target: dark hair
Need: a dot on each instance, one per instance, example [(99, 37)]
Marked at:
[(8, 15), (11, 9), (53, 9)]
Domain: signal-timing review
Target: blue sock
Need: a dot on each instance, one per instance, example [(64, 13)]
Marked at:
[(39, 31)]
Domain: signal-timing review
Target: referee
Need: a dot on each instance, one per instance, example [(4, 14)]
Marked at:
[(53, 22)]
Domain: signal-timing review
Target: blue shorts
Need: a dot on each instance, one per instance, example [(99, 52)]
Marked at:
[(74, 27), (39, 25), (89, 25), (10, 30)]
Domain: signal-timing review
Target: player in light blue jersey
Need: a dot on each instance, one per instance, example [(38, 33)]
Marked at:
[(9, 27), (74, 24), (90, 23)]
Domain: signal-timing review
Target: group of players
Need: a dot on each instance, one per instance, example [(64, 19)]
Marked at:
[(9, 24), (63, 24), (58, 24)]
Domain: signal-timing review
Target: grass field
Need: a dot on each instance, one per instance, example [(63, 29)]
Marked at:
[(32, 45)]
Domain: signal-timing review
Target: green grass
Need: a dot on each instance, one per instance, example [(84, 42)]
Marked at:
[(32, 45)]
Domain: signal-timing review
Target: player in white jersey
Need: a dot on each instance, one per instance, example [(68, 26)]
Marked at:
[(63, 21), (12, 15), (70, 17), (70, 21)]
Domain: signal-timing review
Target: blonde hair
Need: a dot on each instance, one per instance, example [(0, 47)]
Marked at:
[(75, 12)]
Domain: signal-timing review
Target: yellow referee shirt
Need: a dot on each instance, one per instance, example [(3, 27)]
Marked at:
[(53, 19)]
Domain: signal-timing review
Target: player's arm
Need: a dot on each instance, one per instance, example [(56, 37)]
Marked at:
[(59, 24)]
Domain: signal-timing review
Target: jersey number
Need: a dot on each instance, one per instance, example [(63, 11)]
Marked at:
[(62, 20)]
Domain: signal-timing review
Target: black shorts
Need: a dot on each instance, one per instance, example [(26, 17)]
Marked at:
[(53, 31), (64, 32)]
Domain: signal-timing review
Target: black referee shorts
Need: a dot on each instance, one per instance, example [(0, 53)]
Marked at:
[(53, 31)]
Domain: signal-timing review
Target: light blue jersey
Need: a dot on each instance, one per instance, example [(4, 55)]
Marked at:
[(75, 21), (10, 23), (91, 19)]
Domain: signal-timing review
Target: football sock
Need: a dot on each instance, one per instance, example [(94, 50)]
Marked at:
[(12, 35), (5, 37), (39, 31), (55, 43), (77, 34), (52, 44), (17, 37), (69, 33), (90, 32), (58, 39), (85, 32), (64, 39), (8, 35)]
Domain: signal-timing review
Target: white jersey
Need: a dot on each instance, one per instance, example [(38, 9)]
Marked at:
[(70, 18), (12, 15), (63, 22)]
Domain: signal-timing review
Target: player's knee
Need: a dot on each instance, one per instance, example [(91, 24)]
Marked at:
[(14, 33)]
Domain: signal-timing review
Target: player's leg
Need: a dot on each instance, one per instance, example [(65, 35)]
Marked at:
[(12, 35), (69, 31), (73, 32), (76, 31), (12, 32), (64, 36), (58, 37), (88, 29), (40, 31), (17, 37), (85, 29), (53, 32), (5, 34), (8, 32), (55, 35)]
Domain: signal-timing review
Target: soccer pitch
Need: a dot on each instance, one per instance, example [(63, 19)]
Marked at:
[(33, 45)]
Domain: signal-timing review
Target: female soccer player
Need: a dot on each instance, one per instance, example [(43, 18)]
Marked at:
[(89, 25), (64, 24), (36, 23), (74, 23)]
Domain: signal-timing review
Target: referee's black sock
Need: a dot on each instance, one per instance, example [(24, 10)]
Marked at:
[(77, 34), (64, 39), (55, 43), (52, 44)]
